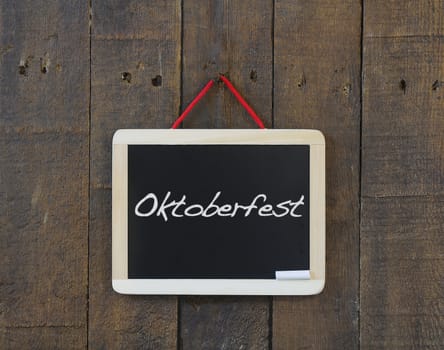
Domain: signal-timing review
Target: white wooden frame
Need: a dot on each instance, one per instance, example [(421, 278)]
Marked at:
[(120, 281)]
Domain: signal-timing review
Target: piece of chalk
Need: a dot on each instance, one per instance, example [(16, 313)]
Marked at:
[(293, 275)]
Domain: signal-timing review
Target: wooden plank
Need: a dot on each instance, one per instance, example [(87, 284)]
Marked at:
[(35, 337), (224, 323), (226, 37), (403, 182), (135, 84), (317, 85), (402, 273), (44, 101)]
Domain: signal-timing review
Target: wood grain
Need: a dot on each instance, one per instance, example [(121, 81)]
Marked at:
[(226, 37), (402, 177), (224, 323), (43, 174), (317, 85), (402, 273), (135, 84)]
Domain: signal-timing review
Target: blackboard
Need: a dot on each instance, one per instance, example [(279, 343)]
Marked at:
[(225, 212), (231, 245)]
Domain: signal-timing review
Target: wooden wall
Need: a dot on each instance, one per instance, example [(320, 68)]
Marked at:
[(369, 74)]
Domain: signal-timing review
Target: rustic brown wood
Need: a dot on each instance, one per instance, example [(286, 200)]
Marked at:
[(44, 80), (317, 85), (224, 323), (135, 84), (402, 264), (226, 37), (402, 272)]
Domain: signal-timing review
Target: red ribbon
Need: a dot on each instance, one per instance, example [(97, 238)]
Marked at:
[(233, 90)]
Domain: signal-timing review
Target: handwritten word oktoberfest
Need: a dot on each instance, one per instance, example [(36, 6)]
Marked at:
[(150, 205)]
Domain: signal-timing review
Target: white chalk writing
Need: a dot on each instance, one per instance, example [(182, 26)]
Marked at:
[(171, 208)]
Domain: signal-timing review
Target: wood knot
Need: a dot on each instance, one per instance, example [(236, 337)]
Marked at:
[(126, 76), (403, 85), (302, 82), (157, 81)]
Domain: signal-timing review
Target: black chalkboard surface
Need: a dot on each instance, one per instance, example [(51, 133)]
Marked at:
[(235, 212), (218, 211)]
